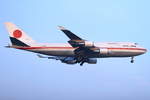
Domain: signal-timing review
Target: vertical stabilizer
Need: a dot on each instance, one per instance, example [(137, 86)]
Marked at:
[(17, 36)]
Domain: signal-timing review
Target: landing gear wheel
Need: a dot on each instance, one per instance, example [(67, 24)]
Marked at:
[(132, 59), (81, 63)]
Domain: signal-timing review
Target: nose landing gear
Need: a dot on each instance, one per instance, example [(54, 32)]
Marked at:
[(132, 60)]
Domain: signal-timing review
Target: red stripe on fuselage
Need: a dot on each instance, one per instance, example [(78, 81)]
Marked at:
[(127, 49), (28, 48)]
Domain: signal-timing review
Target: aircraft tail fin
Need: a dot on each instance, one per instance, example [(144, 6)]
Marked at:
[(17, 36)]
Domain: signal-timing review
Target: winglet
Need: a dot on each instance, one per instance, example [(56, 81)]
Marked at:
[(61, 28), (70, 35)]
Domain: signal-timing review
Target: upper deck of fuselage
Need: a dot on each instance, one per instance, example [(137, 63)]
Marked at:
[(117, 44)]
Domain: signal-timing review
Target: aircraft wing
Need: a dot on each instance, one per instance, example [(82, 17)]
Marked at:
[(84, 49), (75, 41)]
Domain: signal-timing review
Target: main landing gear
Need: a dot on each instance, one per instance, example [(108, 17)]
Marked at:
[(132, 60), (82, 63), (81, 59)]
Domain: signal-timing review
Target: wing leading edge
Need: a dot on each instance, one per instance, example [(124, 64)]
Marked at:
[(75, 41)]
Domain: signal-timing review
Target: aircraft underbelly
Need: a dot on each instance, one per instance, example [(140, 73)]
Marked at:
[(123, 53)]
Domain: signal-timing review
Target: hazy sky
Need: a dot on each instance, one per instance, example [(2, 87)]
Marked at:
[(23, 76)]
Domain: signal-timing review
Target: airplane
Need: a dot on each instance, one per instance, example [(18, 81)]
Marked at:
[(77, 50)]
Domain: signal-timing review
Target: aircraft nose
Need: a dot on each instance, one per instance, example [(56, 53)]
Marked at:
[(144, 50)]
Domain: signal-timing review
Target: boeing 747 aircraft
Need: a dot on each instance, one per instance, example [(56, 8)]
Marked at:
[(77, 50)]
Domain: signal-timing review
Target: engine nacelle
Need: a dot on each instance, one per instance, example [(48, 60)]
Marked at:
[(81, 43), (91, 61), (88, 44), (104, 51)]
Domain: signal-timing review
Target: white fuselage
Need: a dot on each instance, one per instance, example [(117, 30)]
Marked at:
[(107, 49), (77, 50)]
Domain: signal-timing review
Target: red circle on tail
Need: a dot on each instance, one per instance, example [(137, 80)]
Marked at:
[(17, 33)]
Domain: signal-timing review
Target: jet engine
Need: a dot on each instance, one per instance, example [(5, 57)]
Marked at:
[(88, 44), (104, 51), (101, 51), (81, 43)]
